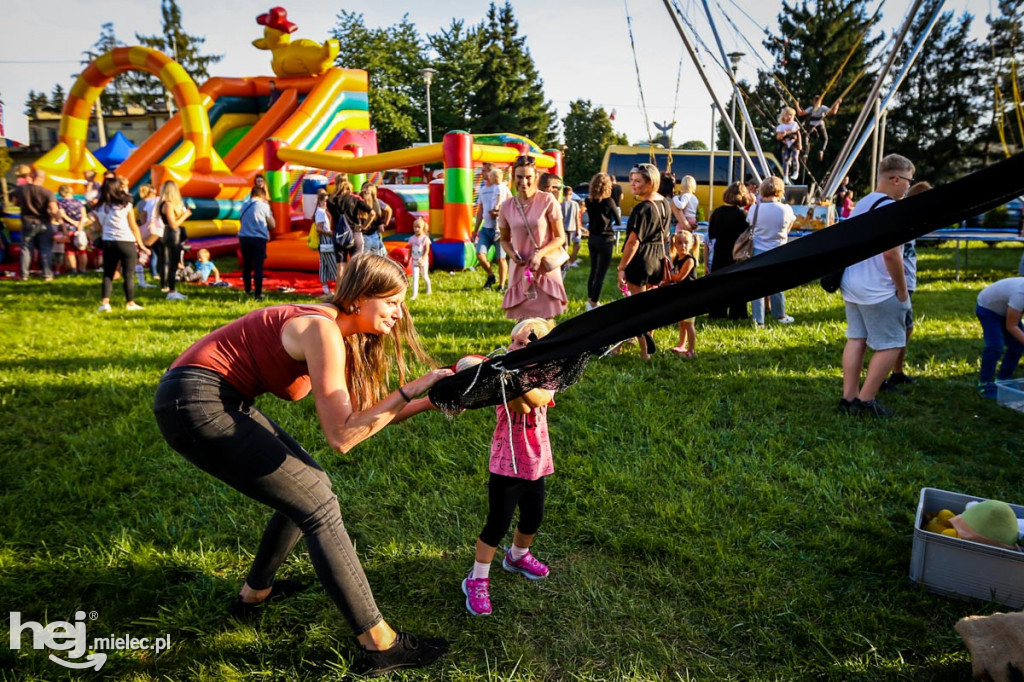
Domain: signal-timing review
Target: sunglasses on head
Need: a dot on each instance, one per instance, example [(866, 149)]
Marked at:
[(524, 160)]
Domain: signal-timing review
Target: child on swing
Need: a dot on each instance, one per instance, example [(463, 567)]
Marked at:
[(683, 260), (520, 461), (788, 133)]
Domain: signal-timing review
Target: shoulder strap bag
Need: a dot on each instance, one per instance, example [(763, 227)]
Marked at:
[(552, 261)]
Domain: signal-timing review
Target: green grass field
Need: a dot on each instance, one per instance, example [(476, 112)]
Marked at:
[(708, 519)]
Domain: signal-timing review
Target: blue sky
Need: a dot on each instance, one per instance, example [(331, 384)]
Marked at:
[(581, 47)]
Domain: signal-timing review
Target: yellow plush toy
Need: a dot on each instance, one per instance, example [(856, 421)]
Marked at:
[(938, 522)]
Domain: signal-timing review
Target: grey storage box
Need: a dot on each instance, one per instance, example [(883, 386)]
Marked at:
[(961, 568), (1010, 394)]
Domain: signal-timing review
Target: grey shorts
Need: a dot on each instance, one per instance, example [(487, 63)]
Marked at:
[(884, 324)]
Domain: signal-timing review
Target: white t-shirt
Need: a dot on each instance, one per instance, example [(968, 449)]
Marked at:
[(773, 222), (488, 198), (1000, 296), (115, 223), (788, 129), (152, 220), (868, 282), (687, 203), (320, 217)]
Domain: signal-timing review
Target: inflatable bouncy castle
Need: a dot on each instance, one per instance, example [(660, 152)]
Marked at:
[(309, 119)]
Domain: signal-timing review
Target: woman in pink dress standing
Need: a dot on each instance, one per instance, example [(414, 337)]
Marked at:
[(531, 228)]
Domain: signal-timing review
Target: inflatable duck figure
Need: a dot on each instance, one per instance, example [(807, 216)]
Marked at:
[(293, 58)]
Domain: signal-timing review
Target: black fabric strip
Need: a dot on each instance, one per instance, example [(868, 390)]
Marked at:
[(796, 263)]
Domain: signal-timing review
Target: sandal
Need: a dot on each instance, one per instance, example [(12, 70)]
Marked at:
[(244, 610)]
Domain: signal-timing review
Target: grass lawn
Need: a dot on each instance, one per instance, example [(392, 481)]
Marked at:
[(708, 519)]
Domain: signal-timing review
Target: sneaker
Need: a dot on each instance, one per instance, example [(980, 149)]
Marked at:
[(527, 566), (286, 290), (987, 390), (785, 319), (900, 379), (574, 264), (145, 285), (889, 387), (133, 306), (164, 290), (176, 296), (104, 308), (844, 405), (278, 590), (590, 306), (478, 595), (491, 281), (408, 651), (870, 408)]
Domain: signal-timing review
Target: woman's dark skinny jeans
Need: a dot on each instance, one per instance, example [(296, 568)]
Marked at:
[(216, 428)]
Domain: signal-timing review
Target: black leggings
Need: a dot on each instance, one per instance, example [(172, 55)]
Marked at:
[(504, 495), (600, 259), (254, 253), (170, 251), (216, 428), (114, 254)]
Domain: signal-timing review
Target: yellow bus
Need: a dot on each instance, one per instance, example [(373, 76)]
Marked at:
[(619, 159)]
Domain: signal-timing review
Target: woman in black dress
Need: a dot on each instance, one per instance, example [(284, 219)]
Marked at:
[(601, 214), (643, 255), (727, 223)]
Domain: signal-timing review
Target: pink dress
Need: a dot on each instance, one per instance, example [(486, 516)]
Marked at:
[(530, 445), (545, 295)]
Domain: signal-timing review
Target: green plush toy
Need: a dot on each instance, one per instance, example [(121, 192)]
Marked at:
[(990, 522)]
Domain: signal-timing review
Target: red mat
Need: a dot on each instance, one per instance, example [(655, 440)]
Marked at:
[(306, 283)]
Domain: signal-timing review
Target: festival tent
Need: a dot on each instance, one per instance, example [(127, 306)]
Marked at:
[(115, 151)]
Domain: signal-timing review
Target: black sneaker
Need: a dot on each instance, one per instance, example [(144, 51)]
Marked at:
[(889, 387), (844, 405), (491, 281), (870, 408), (900, 379), (408, 651)]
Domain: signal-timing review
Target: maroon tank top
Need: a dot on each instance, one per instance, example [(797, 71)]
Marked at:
[(249, 354)]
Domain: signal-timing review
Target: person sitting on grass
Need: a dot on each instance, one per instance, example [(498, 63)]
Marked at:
[(999, 312), (342, 351), (520, 461), (206, 267)]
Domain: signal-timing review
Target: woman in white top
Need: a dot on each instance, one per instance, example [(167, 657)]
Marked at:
[(122, 241), (771, 221)]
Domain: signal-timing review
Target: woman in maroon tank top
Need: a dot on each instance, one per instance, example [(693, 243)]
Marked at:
[(341, 352)]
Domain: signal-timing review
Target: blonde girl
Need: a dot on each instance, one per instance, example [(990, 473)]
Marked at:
[(173, 213), (683, 257), (328, 266), (684, 205), (419, 256), (520, 461), (788, 133)]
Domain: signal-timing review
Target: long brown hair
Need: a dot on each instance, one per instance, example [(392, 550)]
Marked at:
[(368, 370)]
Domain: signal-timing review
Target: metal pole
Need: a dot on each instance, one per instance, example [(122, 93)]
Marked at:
[(874, 151), (711, 174), (101, 128), (834, 176), (732, 142), (881, 134), (428, 78), (833, 182), (707, 84), (743, 161), (736, 89)]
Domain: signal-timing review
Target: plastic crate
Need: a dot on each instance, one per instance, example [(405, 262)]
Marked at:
[(1010, 394), (961, 568)]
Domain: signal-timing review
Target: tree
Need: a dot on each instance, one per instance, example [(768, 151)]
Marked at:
[(393, 57), (588, 132), (935, 118), (510, 93), (1004, 46), (36, 102), (815, 37), (694, 144), (116, 94), (57, 97), (458, 70), (184, 48)]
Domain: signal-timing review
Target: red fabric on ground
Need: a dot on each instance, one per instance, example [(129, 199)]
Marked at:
[(303, 282)]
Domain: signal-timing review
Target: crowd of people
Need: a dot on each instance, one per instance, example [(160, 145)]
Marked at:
[(346, 348)]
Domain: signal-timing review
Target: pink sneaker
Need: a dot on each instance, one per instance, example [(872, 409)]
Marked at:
[(527, 566), (478, 596)]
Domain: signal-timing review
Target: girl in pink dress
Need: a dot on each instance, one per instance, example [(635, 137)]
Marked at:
[(520, 459), (530, 226)]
